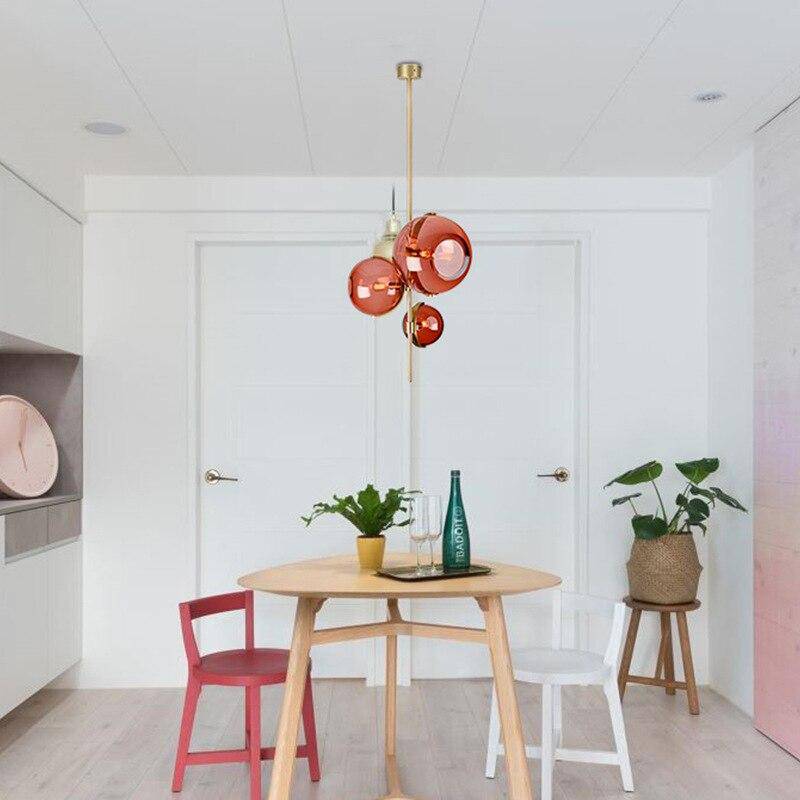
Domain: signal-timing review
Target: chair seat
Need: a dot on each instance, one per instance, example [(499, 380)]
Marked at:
[(546, 665), (258, 666)]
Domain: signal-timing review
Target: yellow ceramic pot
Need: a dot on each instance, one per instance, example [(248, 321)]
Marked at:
[(370, 551)]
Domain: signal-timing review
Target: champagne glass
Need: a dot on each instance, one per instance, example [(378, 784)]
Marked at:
[(418, 527), (434, 528)]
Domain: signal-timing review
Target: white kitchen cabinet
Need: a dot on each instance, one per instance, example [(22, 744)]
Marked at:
[(63, 607), (41, 258), (40, 618)]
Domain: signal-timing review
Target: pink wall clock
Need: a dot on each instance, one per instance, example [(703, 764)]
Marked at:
[(28, 452)]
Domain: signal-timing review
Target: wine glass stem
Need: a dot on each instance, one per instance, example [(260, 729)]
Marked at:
[(419, 566), (430, 545)]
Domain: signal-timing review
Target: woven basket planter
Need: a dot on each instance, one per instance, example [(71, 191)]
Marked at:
[(664, 570)]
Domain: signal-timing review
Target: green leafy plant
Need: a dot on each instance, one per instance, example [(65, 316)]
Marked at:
[(366, 511), (694, 503)]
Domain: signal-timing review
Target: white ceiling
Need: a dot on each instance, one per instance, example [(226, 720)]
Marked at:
[(307, 87)]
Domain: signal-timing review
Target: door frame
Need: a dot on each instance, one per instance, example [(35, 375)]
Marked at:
[(581, 241)]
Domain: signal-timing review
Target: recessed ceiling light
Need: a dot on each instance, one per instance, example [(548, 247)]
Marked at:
[(710, 97), (105, 128)]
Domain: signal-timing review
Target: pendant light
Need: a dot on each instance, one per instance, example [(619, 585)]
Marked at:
[(430, 255), (376, 285), (433, 254), (428, 325)]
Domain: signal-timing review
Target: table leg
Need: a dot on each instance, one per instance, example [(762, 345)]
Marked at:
[(289, 721), (688, 665), (519, 779), (392, 773), (627, 653)]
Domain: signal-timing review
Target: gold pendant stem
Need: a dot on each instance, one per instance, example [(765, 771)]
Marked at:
[(410, 71), (409, 149), (410, 214)]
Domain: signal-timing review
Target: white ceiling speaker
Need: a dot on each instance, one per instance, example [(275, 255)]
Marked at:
[(709, 97), (105, 128)]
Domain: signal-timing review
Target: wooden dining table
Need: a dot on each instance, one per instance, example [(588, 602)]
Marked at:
[(314, 581)]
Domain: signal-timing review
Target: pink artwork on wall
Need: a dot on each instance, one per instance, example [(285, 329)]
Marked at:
[(777, 432)]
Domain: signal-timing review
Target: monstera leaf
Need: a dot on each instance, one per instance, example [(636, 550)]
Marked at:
[(727, 499), (708, 494), (697, 510), (647, 526), (618, 501), (647, 472), (698, 471)]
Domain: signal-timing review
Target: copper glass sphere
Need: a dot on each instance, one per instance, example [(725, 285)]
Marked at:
[(434, 254), (428, 325), (375, 286)]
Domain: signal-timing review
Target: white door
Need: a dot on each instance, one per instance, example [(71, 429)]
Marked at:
[(286, 407), (301, 397), (496, 399)]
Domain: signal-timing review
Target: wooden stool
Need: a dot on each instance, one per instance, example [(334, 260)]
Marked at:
[(665, 663)]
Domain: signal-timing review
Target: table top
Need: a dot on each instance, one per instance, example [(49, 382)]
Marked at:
[(341, 576)]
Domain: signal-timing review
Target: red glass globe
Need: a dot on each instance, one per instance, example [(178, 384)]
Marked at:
[(434, 254), (375, 286), (428, 325)]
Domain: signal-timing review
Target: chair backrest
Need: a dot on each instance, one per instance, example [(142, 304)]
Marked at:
[(218, 604), (595, 606)]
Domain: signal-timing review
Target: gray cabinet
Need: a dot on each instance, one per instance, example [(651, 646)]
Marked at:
[(63, 522), (31, 530), (25, 531)]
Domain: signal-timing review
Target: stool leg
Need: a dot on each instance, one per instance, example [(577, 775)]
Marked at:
[(669, 659), (627, 653), (688, 665), (253, 702), (310, 731), (661, 647), (187, 721)]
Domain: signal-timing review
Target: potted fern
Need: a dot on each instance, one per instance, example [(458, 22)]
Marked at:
[(370, 515), (663, 566)]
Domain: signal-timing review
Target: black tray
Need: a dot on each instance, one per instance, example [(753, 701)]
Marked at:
[(409, 573)]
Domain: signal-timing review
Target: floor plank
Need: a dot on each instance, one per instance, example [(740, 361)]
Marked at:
[(119, 745)]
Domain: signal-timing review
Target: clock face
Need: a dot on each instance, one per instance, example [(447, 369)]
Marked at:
[(28, 452)]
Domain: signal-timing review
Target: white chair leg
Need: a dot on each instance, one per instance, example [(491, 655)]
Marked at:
[(494, 738), (557, 721), (547, 742), (618, 726)]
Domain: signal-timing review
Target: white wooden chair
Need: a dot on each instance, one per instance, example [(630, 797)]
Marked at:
[(556, 667)]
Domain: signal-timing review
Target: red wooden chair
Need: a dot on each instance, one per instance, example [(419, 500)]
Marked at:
[(252, 668)]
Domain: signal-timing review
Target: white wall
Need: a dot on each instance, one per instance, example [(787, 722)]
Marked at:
[(730, 429), (647, 366), (40, 268)]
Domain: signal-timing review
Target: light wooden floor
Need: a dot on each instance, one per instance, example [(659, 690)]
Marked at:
[(118, 745)]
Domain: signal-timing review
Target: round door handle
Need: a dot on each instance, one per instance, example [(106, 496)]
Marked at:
[(213, 476), (561, 474)]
